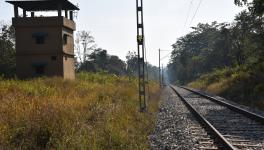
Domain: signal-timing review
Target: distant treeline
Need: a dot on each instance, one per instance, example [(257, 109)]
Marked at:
[(88, 57), (226, 59), (99, 60), (92, 59), (219, 45)]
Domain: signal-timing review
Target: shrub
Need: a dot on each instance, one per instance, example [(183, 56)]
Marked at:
[(241, 84)]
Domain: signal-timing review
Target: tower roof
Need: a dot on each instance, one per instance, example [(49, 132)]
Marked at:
[(43, 5)]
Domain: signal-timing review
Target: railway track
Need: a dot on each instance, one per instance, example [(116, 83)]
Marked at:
[(231, 127)]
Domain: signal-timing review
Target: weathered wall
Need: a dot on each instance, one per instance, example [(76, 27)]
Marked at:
[(26, 65), (69, 47), (68, 67), (30, 54)]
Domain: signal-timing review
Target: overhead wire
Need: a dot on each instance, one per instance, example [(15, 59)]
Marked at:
[(188, 14), (166, 56), (187, 18), (196, 12)]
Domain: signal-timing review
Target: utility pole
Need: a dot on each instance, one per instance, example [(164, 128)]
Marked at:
[(162, 77), (159, 70), (141, 56)]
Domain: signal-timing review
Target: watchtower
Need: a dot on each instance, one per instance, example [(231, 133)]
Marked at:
[(44, 44)]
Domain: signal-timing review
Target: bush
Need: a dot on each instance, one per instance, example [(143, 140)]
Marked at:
[(241, 84)]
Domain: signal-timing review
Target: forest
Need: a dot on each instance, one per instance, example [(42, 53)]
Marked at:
[(224, 58)]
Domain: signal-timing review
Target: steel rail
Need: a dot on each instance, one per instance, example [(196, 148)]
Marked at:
[(247, 113), (217, 135)]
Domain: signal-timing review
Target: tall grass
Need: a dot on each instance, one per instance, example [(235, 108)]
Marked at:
[(244, 85), (97, 111)]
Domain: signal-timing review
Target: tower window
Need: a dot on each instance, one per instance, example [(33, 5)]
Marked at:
[(65, 39), (40, 70), (40, 37), (40, 40), (53, 58)]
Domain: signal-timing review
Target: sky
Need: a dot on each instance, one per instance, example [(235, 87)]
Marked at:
[(113, 22)]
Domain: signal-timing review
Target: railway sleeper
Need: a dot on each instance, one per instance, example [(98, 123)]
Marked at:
[(247, 145), (208, 148)]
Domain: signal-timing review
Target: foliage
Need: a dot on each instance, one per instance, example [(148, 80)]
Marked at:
[(217, 45), (222, 58), (242, 84), (132, 63), (7, 50), (152, 72), (255, 6), (97, 111), (84, 43), (99, 60), (92, 59), (202, 50)]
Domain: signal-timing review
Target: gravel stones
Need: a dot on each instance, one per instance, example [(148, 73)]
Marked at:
[(241, 131), (176, 127)]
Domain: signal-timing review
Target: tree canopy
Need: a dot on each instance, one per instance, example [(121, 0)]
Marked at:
[(218, 45), (7, 50), (256, 6)]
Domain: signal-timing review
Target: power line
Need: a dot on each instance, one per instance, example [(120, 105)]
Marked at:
[(166, 56), (188, 14), (196, 12)]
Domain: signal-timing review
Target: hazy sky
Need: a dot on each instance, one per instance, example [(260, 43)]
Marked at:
[(113, 22)]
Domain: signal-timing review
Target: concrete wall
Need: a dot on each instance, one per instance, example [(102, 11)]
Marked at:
[(30, 54), (69, 47), (68, 67), (26, 65), (25, 43), (44, 22)]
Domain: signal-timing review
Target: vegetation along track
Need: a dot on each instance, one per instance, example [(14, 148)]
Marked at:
[(231, 126)]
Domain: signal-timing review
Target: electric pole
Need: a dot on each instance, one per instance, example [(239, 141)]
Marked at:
[(162, 78), (141, 56), (159, 70)]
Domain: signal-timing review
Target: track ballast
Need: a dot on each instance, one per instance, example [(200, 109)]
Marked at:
[(231, 126)]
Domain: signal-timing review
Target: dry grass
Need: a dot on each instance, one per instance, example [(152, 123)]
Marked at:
[(239, 86), (96, 111)]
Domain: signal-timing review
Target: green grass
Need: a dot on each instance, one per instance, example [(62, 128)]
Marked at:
[(244, 85), (96, 111)]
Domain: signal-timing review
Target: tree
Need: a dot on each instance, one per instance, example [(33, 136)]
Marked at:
[(132, 63), (206, 48), (84, 43), (99, 56), (132, 67), (217, 46), (7, 50), (256, 6), (116, 66), (99, 60)]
